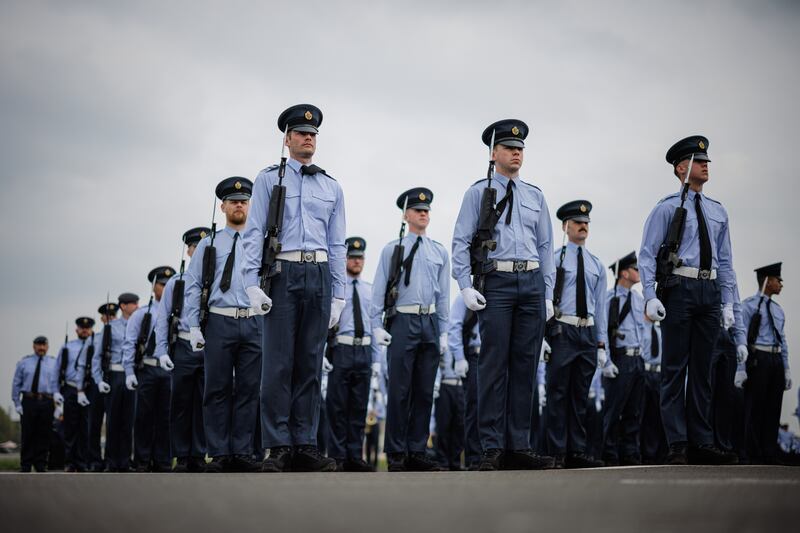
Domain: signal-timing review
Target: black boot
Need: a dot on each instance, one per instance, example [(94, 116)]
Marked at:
[(526, 460), (357, 465), (278, 460), (581, 460), (677, 454), (420, 462), (217, 465), (308, 459), (491, 459), (181, 465), (243, 463), (708, 454), (396, 462)]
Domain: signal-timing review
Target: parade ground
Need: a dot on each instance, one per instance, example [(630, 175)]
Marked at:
[(684, 499)]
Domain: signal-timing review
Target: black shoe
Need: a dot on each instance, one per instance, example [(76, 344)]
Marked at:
[(278, 460), (581, 460), (610, 461), (25, 468), (457, 468), (70, 469), (629, 460), (308, 459), (181, 466), (526, 460), (558, 462), (356, 465), (474, 467), (491, 460), (677, 455), (708, 454), (217, 465), (243, 463), (142, 469), (396, 462), (159, 468), (420, 462), (196, 464)]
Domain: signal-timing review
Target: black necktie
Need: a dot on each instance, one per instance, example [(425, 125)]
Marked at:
[(358, 320), (225, 282), (626, 309), (83, 345), (655, 346), (705, 242), (580, 288), (507, 199), (775, 331), (35, 384), (310, 169), (410, 260)]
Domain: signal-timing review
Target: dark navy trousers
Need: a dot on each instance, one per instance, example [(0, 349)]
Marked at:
[(512, 329), (763, 394), (295, 331), (76, 429), (723, 372), (623, 407), (36, 426), (96, 411), (690, 331), (233, 371), (151, 425), (413, 357), (120, 406), (348, 394), (653, 441), (472, 441), (449, 414), (569, 375), (187, 434)]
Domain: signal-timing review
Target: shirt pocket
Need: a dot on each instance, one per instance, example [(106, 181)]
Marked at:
[(434, 265), (529, 212), (291, 206), (716, 222), (320, 205)]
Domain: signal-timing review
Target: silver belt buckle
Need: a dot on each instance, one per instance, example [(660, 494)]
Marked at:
[(242, 313), (582, 322), (309, 257), (704, 274), (519, 266), (424, 309), (357, 341)]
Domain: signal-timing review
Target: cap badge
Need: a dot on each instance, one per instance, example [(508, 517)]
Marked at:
[(202, 234), (168, 272), (308, 115), (422, 196), (583, 208), (357, 244), (237, 185), (515, 130), (702, 145)]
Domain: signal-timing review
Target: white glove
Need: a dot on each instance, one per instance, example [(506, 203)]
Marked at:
[(58, 412), (59, 398), (602, 357), (655, 310), (104, 387), (611, 371), (739, 379), (337, 306), (436, 386), (165, 362), (374, 381), (546, 351), (196, 339), (461, 368), (131, 382), (19, 409), (327, 366), (382, 336), (473, 299), (741, 354), (83, 401), (260, 303), (542, 395), (727, 316), (548, 305), (442, 343), (788, 376)]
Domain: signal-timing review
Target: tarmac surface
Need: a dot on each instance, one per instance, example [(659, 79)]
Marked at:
[(651, 499)]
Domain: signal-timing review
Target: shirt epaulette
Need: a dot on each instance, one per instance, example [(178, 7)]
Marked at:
[(673, 195), (531, 185)]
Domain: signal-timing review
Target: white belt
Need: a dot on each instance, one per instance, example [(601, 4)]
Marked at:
[(652, 368), (233, 312), (454, 381), (184, 335), (576, 321), (416, 309), (694, 273), (629, 351), (516, 266), (767, 348), (150, 361), (72, 384), (349, 340), (116, 367), (300, 256)]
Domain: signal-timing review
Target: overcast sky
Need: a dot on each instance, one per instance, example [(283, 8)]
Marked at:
[(118, 122)]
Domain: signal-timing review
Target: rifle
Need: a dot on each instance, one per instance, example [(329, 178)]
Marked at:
[(331, 344), (667, 259), (395, 270), (614, 317), (470, 319), (62, 372), (176, 311), (87, 368), (482, 242), (105, 360), (560, 272), (755, 321), (142, 341), (209, 270), (272, 243)]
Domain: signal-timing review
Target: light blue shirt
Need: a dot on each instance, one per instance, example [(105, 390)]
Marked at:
[(738, 330), (234, 296), (541, 372), (647, 354), (164, 310), (633, 327), (455, 338), (313, 220), (429, 283), (594, 273), (23, 376), (132, 335), (766, 334), (529, 236), (346, 321), (118, 327), (655, 232), (76, 360)]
